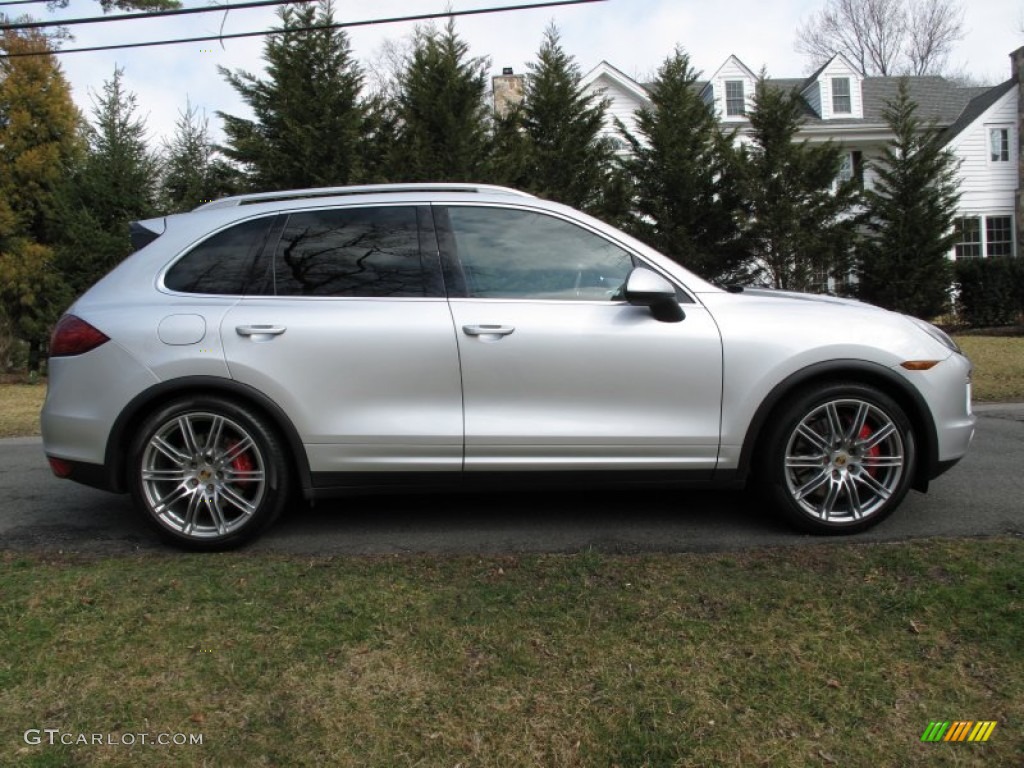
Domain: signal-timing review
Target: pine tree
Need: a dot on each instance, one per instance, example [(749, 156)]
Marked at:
[(39, 141), (509, 163), (114, 185), (443, 133), (683, 175), (192, 172), (798, 222), (308, 115), (905, 264), (570, 158)]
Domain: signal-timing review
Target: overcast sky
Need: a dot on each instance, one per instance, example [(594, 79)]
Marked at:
[(633, 35)]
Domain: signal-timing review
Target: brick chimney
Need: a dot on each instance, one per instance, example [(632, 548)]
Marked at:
[(508, 90), (1017, 72)]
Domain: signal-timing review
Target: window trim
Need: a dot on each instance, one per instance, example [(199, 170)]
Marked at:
[(983, 242), (1001, 162), (979, 243), (742, 97), (848, 95), (989, 242)]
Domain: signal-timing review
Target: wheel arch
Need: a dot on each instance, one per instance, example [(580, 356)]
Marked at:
[(132, 416), (861, 372)]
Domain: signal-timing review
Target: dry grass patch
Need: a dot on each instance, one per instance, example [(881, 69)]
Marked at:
[(19, 409), (837, 654), (998, 367)]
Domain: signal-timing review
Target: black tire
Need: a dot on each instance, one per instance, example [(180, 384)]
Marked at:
[(207, 474), (838, 459)]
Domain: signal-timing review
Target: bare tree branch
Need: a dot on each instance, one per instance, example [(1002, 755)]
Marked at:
[(883, 37), (935, 25)]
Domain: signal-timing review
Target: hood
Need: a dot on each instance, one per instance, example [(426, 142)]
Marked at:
[(815, 297)]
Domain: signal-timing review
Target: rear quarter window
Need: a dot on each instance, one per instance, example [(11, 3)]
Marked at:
[(226, 263)]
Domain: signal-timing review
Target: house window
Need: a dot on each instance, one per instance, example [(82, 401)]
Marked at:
[(998, 236), (845, 168), (999, 145), (841, 104), (851, 167), (968, 237), (735, 103)]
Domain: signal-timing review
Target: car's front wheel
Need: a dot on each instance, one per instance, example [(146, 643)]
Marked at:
[(839, 459), (207, 473)]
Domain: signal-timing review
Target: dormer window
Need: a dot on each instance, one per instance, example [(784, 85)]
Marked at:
[(735, 102), (841, 103)]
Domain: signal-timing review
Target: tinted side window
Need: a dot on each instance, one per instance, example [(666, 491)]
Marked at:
[(350, 252), (224, 263), (507, 253)]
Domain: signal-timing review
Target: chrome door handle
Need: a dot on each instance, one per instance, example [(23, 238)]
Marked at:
[(259, 330), (487, 330)]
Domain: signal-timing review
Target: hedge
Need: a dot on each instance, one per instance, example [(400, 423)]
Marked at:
[(990, 291)]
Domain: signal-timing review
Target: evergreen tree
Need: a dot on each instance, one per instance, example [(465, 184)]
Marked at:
[(684, 178), (905, 264), (39, 141), (510, 160), (114, 185), (379, 138), (192, 172), (570, 159), (308, 115), (798, 222), (442, 133)]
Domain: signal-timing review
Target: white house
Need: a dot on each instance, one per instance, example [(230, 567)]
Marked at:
[(982, 128)]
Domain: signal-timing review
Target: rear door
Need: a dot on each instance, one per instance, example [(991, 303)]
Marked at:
[(351, 335)]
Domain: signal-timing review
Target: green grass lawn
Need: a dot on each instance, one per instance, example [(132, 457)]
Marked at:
[(838, 654)]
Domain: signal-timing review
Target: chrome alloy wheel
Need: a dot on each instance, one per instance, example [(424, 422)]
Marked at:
[(203, 476), (844, 461)]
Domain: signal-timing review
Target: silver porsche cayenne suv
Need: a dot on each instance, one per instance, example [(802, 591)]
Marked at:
[(322, 341)]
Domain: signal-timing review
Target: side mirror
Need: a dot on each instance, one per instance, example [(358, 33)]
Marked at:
[(645, 288)]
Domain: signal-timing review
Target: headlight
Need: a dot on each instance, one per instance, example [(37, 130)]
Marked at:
[(936, 333)]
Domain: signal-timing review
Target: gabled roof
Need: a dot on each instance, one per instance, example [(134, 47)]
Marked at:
[(618, 77), (936, 97), (731, 57), (813, 77), (977, 107)]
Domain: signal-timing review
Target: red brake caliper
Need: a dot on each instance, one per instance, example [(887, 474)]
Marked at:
[(242, 462), (865, 433)]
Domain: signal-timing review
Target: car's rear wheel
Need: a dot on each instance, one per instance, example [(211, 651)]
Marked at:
[(840, 459), (207, 473)]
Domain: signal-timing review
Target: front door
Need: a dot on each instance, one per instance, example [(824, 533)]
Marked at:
[(558, 372)]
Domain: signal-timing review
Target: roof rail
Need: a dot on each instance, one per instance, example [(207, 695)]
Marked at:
[(365, 189)]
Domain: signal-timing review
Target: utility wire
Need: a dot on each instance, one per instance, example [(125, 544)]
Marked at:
[(145, 14), (291, 30), (24, 2), (172, 12)]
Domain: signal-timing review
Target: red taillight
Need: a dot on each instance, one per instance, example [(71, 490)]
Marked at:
[(60, 467), (74, 336)]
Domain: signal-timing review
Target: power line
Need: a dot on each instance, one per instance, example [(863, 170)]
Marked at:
[(144, 15), (24, 2), (291, 30)]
